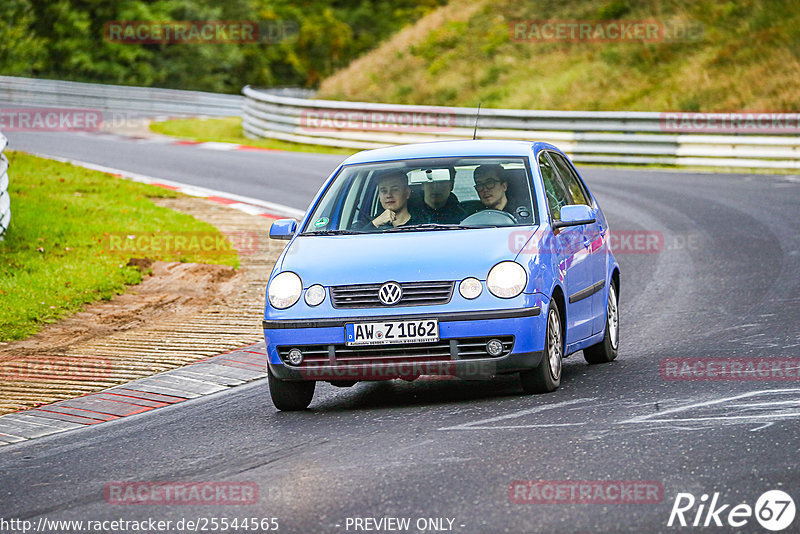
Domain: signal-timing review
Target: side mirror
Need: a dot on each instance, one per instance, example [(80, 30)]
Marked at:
[(283, 229), (575, 215)]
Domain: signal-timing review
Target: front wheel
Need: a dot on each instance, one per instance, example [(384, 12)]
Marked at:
[(606, 350), (290, 396), (547, 376)]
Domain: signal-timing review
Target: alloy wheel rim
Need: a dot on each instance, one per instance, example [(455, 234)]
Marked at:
[(613, 317), (554, 345)]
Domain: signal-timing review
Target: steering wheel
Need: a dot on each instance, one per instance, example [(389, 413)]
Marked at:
[(490, 218)]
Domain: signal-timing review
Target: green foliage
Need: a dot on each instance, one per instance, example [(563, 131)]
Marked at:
[(613, 10), (21, 51), (229, 130), (65, 39)]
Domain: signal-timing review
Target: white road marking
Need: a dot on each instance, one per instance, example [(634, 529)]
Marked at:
[(504, 427), (247, 208), (481, 423), (723, 418), (766, 404), (658, 417), (213, 145)]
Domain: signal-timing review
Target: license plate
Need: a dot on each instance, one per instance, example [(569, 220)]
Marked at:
[(394, 332)]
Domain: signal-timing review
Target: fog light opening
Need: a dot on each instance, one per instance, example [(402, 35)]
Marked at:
[(494, 347), (295, 357)]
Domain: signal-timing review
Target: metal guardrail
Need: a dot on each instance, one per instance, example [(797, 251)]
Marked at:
[(5, 198), (31, 92), (589, 137)]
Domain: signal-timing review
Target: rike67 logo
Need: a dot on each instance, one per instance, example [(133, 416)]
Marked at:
[(774, 510)]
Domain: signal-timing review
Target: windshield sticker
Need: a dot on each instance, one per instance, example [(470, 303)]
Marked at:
[(322, 221)]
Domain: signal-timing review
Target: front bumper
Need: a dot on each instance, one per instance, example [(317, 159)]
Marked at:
[(520, 329)]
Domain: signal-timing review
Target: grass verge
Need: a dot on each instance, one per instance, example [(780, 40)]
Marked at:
[(69, 245), (229, 130)]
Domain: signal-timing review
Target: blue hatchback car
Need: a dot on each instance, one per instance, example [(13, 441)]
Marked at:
[(462, 259)]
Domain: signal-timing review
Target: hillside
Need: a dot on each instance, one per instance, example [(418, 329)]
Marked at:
[(231, 43), (739, 55)]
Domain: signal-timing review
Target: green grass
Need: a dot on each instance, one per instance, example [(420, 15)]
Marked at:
[(58, 254), (740, 55), (229, 130)]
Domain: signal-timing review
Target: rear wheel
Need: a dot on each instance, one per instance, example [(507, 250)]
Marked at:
[(606, 350), (547, 376), (290, 396)]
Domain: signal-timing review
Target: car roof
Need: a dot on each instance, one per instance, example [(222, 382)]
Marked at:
[(483, 147)]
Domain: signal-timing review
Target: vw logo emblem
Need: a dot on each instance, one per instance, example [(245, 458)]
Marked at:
[(390, 293)]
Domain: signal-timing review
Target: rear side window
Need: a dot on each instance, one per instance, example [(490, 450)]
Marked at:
[(570, 180), (554, 189)]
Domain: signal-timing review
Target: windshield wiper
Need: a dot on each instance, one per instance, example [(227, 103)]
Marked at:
[(332, 232), (429, 226)]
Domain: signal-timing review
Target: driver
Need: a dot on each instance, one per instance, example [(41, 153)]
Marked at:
[(491, 184)]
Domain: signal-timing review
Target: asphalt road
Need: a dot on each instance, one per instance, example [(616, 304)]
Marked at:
[(284, 177), (726, 283)]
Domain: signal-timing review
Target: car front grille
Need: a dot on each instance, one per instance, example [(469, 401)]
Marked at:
[(414, 294), (441, 351)]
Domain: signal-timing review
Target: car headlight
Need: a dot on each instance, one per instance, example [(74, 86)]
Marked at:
[(315, 295), (507, 279), (284, 290), (470, 288)]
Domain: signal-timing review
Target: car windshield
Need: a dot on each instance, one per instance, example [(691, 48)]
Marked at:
[(426, 195)]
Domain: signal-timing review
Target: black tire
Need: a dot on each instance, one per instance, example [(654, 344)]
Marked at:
[(546, 377), (290, 396), (607, 350)]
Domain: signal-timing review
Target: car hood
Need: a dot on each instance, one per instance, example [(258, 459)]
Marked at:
[(402, 257)]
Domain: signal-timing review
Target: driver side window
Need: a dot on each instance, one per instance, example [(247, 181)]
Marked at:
[(554, 189)]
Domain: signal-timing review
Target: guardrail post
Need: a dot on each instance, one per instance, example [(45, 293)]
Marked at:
[(5, 197)]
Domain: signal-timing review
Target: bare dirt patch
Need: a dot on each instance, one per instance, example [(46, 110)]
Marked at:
[(171, 289), (179, 314)]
